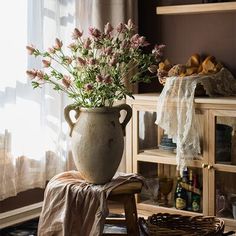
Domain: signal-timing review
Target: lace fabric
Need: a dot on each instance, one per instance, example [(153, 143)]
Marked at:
[(176, 110)]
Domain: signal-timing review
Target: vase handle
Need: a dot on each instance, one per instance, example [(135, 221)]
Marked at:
[(67, 111), (128, 116)]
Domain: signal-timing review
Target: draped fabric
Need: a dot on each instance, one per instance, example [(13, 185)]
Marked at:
[(34, 140)]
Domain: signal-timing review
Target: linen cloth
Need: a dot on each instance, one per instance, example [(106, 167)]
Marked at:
[(176, 110), (73, 207)]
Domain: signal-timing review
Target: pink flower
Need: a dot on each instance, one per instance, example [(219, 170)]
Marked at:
[(99, 78), (77, 34), (40, 74), (31, 73), (72, 46), (92, 61), (120, 28), (30, 50), (87, 43), (130, 25), (58, 44), (142, 41), (81, 61), (94, 32), (51, 50), (46, 63), (66, 81), (108, 28), (107, 79), (158, 50), (88, 87)]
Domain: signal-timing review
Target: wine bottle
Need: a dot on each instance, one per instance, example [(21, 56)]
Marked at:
[(196, 198), (185, 179), (190, 191), (180, 195)]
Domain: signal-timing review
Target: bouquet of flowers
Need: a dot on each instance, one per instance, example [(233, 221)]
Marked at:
[(94, 70)]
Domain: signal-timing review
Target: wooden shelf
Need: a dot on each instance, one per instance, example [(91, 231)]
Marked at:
[(196, 8), (162, 158), (150, 208)]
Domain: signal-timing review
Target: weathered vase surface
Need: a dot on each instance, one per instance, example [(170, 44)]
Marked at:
[(97, 141)]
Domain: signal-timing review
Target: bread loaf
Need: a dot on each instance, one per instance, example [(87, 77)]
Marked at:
[(194, 61)]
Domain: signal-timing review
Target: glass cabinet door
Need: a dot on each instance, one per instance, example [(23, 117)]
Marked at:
[(166, 189), (154, 157), (222, 164)]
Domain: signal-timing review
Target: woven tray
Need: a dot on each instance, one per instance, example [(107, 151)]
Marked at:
[(179, 225)]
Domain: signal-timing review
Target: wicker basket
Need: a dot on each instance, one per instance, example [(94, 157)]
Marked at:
[(179, 225)]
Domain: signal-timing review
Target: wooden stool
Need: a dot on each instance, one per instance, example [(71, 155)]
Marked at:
[(125, 194)]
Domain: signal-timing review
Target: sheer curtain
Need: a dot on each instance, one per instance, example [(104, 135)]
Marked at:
[(34, 140), (33, 133)]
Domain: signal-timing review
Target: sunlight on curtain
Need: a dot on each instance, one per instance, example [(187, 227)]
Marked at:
[(33, 134)]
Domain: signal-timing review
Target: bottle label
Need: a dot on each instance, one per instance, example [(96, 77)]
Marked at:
[(195, 206), (180, 203)]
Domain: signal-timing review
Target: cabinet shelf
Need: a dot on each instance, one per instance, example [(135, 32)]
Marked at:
[(163, 157), (196, 8), (146, 206)]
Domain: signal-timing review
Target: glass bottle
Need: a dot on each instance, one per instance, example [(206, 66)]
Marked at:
[(196, 198), (190, 191), (180, 195)]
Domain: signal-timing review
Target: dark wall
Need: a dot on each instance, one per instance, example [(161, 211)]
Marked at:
[(206, 34), (22, 199)]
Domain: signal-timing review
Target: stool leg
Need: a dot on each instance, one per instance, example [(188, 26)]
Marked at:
[(131, 215)]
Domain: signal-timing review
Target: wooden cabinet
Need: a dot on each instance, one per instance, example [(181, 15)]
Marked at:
[(215, 167)]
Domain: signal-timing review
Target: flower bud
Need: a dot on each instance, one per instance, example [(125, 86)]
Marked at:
[(77, 34), (66, 81), (30, 50), (40, 74), (92, 61), (158, 50), (51, 50), (87, 43), (142, 41), (108, 28), (107, 79), (130, 25), (94, 32), (72, 46), (88, 87), (58, 44), (113, 61), (120, 28), (99, 78), (31, 73), (81, 61), (46, 63)]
